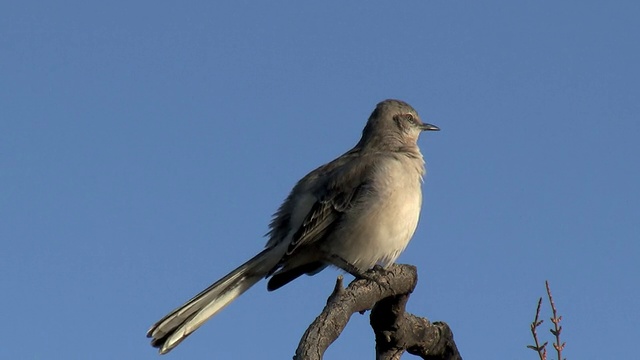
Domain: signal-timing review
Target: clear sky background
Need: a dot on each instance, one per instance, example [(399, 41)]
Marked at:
[(145, 145)]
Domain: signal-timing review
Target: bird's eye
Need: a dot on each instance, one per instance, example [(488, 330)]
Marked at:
[(409, 118), (405, 121)]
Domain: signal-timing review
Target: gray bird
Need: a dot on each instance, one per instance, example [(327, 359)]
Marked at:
[(358, 211)]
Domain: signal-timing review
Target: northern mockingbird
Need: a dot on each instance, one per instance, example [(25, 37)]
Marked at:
[(358, 211)]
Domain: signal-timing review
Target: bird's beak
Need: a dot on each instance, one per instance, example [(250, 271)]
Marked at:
[(429, 127)]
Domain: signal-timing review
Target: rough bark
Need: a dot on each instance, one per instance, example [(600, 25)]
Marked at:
[(386, 293)]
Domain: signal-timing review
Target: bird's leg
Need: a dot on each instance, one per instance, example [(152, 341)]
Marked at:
[(372, 274), (348, 267)]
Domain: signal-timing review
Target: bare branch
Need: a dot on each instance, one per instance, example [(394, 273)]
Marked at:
[(386, 292), (556, 330)]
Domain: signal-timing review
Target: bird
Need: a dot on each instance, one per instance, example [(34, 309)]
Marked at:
[(356, 212)]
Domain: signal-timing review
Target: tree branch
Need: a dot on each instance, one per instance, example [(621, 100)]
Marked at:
[(386, 292)]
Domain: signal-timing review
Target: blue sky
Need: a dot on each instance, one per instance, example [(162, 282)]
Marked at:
[(144, 147)]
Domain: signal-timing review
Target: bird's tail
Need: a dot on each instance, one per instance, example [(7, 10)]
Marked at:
[(181, 322)]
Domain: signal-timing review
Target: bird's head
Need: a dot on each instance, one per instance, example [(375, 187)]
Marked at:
[(394, 123)]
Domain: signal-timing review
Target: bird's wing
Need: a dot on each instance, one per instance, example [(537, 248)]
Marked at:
[(345, 184)]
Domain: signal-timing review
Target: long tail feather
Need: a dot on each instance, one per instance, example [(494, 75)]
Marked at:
[(181, 322)]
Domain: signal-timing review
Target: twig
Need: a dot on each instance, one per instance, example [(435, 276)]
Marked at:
[(556, 323), (540, 349)]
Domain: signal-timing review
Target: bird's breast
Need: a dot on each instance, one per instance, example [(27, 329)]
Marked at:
[(379, 228)]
